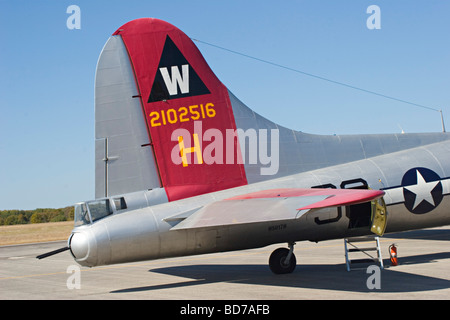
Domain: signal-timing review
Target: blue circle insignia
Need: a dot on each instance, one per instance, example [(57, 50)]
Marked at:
[(422, 190)]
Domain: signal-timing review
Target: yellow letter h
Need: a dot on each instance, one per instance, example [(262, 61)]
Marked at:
[(195, 148)]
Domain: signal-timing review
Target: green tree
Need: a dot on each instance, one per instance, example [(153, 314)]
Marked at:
[(36, 218), (10, 220), (21, 219)]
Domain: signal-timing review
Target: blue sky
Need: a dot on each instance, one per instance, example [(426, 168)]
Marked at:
[(47, 75)]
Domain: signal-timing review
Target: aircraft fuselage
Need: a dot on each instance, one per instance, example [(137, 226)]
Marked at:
[(416, 197)]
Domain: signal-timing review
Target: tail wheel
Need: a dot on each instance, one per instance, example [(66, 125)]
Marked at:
[(278, 263)]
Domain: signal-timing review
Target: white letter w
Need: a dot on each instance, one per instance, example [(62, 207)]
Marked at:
[(177, 79)]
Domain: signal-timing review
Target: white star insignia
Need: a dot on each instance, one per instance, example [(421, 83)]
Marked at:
[(422, 190)]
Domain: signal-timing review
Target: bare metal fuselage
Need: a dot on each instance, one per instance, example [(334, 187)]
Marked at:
[(145, 233)]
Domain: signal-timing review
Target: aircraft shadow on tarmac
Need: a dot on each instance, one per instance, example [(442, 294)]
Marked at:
[(327, 277), (426, 234)]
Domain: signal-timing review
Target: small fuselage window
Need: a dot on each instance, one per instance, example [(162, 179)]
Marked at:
[(99, 209), (91, 211), (81, 215)]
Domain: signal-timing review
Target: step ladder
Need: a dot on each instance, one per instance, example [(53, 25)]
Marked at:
[(368, 258)]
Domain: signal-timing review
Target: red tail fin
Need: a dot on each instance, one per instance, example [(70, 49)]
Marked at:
[(185, 105)]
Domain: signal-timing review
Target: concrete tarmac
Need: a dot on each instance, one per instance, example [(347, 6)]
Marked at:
[(423, 272)]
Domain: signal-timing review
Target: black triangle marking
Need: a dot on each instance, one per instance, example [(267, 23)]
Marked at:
[(175, 78)]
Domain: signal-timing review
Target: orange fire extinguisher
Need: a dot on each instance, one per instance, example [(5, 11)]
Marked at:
[(393, 254)]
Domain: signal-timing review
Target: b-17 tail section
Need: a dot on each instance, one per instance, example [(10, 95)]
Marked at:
[(183, 104)]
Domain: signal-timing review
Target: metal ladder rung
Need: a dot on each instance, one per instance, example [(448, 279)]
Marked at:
[(361, 239), (363, 260), (362, 249)]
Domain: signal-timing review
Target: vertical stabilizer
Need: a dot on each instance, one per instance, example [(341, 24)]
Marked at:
[(177, 109)]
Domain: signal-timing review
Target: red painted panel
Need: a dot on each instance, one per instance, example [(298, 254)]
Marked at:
[(337, 197), (179, 91)]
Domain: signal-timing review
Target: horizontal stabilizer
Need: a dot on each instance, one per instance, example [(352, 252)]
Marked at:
[(273, 205), (181, 216), (334, 197)]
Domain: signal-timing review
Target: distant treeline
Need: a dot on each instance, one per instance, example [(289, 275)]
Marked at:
[(10, 217)]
